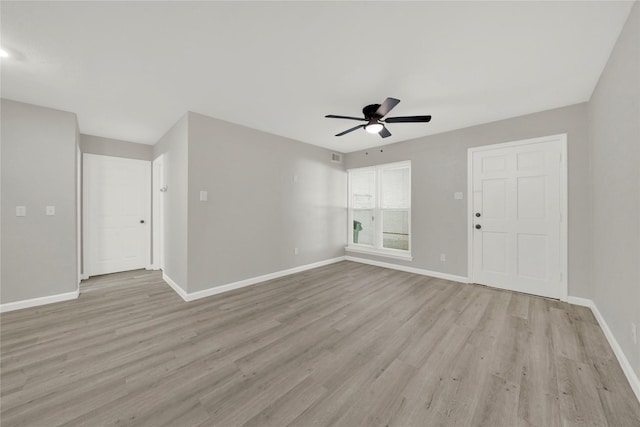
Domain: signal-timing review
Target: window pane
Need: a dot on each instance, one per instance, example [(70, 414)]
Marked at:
[(396, 188), (363, 189), (395, 230), (363, 227)]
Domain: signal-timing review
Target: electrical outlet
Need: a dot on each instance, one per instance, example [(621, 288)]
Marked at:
[(295, 251), (634, 333), (443, 257)]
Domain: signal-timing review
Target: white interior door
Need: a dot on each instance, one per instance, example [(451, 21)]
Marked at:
[(517, 210), (116, 214)]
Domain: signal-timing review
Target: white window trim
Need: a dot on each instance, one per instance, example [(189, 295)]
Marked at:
[(378, 250)]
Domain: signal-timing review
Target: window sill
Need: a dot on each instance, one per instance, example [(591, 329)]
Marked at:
[(389, 253)]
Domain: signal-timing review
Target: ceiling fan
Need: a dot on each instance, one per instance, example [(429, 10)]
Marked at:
[(373, 115)]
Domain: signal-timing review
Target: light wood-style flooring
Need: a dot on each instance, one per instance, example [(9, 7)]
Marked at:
[(342, 345)]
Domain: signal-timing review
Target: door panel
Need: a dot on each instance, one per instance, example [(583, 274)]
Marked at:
[(533, 254), (529, 160), (532, 197), (495, 247), (516, 237), (493, 164), (494, 198), (117, 212)]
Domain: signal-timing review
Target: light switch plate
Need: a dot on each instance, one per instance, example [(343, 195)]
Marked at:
[(204, 196), (458, 195), (51, 210), (21, 211)]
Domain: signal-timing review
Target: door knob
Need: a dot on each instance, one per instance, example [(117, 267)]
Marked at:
[(142, 221), (478, 214), (478, 226)]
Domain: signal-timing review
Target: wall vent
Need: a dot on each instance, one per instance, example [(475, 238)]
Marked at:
[(336, 158)]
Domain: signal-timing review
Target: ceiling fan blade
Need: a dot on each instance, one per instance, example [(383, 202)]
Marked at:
[(333, 116), (386, 106), (385, 133), (350, 130), (408, 119)]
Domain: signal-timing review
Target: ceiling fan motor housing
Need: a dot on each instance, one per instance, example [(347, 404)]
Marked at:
[(370, 111)]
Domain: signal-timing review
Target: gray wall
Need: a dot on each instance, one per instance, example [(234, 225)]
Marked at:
[(174, 146), (257, 214), (38, 169), (614, 127), (113, 147), (439, 168)]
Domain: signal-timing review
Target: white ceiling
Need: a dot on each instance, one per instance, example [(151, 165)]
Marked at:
[(131, 69)]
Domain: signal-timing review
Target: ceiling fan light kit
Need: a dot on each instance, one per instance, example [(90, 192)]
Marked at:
[(373, 115), (373, 127)]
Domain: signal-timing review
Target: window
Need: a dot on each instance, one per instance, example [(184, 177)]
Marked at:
[(380, 209)]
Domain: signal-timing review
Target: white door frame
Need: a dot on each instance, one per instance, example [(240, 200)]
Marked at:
[(562, 140), (79, 212), (157, 167)]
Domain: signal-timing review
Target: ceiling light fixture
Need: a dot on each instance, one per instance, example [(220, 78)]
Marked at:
[(373, 127), (3, 53)]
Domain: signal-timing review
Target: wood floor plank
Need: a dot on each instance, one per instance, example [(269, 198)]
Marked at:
[(538, 403), (594, 341), (377, 402), (345, 344), (511, 350), (519, 305), (184, 413), (289, 406), (620, 407), (566, 341), (497, 405), (433, 375), (462, 386), (579, 401)]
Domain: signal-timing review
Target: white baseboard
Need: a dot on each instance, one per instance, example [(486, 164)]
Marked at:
[(255, 280), (585, 302), (34, 302), (414, 270), (192, 296), (183, 294), (632, 377)]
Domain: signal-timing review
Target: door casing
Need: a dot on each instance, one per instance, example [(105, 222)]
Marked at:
[(157, 222)]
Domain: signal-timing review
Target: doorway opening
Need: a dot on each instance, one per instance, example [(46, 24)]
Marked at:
[(116, 214)]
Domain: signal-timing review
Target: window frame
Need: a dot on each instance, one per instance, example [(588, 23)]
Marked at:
[(377, 248)]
